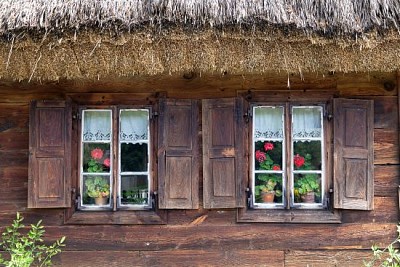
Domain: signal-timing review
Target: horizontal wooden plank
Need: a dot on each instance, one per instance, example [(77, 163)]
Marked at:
[(387, 179), (323, 258), (362, 84), (14, 158), (48, 216), (386, 209), (226, 237), (386, 114), (11, 140), (171, 258), (386, 146)]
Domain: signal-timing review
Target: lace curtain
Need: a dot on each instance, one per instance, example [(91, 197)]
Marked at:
[(97, 125), (134, 125), (306, 122), (268, 122)]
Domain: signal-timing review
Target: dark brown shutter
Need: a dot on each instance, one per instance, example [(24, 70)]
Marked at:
[(353, 154), (178, 165), (49, 154), (223, 153)]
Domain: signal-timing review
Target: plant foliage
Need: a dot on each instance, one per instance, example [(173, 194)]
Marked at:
[(387, 257), (27, 249)]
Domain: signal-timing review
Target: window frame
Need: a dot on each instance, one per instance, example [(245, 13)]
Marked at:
[(151, 215), (295, 215)]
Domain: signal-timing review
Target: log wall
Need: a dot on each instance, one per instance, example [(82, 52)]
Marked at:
[(205, 237)]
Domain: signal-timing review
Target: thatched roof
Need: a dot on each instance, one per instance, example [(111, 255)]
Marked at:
[(55, 39), (324, 16)]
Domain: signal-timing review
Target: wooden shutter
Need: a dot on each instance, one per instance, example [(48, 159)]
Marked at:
[(353, 154), (49, 154), (223, 153), (178, 165)]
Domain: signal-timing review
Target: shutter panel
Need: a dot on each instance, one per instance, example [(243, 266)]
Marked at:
[(178, 165), (353, 154), (49, 154), (223, 153)]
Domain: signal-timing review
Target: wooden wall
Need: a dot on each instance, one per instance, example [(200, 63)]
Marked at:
[(203, 237)]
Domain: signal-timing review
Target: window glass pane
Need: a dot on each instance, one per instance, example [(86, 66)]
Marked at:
[(97, 125), (307, 122), (96, 190), (268, 155), (134, 125), (134, 157), (307, 188), (96, 158), (268, 122), (268, 188), (134, 189), (307, 155)]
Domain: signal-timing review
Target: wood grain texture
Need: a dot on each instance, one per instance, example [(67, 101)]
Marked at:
[(386, 147), (227, 237), (387, 179), (223, 155), (49, 175), (176, 257), (178, 154), (353, 154), (323, 258)]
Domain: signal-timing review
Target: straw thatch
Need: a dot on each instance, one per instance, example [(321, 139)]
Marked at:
[(73, 39), (324, 16)]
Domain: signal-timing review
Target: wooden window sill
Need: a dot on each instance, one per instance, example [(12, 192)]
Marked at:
[(118, 217), (287, 216)]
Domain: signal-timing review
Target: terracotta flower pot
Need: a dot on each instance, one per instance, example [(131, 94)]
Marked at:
[(100, 201), (308, 198), (268, 197)]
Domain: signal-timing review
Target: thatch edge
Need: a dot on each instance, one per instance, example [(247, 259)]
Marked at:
[(94, 55)]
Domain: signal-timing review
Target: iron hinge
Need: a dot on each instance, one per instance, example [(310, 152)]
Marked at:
[(249, 196)]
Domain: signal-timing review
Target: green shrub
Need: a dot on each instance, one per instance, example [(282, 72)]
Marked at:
[(388, 257), (29, 249)]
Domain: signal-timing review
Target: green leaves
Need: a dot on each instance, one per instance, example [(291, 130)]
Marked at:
[(28, 249), (387, 257)]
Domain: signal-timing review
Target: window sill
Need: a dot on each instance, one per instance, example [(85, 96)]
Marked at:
[(287, 216), (118, 217)]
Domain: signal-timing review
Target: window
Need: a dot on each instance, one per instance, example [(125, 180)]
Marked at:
[(306, 159), (115, 159), (288, 157)]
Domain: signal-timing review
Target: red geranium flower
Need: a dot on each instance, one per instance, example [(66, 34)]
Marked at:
[(106, 162), (97, 153), (298, 161), (260, 156), (268, 146), (276, 168)]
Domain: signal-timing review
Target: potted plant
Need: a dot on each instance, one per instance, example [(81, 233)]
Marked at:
[(307, 187), (98, 188), (268, 189)]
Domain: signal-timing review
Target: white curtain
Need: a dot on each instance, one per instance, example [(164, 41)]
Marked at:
[(97, 125), (306, 122), (134, 125), (268, 122)]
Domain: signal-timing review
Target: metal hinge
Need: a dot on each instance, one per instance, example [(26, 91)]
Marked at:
[(247, 116), (77, 201), (249, 195), (154, 197), (327, 115), (153, 115), (76, 116)]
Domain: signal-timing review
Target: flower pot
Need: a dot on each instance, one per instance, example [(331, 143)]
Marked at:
[(308, 198), (268, 197), (100, 201)]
